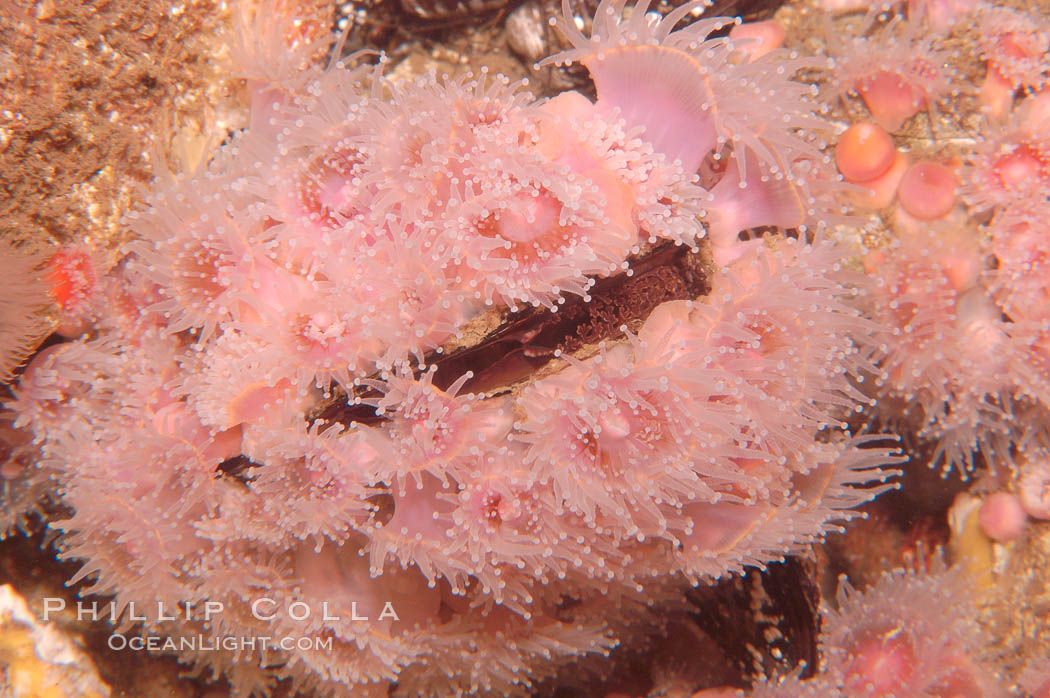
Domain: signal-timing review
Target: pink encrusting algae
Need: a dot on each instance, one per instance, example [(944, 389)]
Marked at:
[(265, 394)]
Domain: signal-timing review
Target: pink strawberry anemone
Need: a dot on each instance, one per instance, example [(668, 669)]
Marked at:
[(530, 239), (685, 89), (898, 71), (914, 632), (911, 633), (1014, 45), (1012, 166), (188, 245), (694, 102), (324, 193)]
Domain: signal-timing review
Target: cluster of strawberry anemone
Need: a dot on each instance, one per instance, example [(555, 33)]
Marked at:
[(401, 220), (354, 233), (967, 305), (958, 282)]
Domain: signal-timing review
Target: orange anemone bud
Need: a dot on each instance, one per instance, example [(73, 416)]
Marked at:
[(72, 275), (891, 98), (927, 191), (864, 151), (882, 189)]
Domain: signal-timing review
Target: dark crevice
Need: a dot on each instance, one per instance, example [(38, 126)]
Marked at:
[(237, 468), (530, 338), (767, 621)]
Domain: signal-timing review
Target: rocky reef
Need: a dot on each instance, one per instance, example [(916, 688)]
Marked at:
[(429, 386)]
